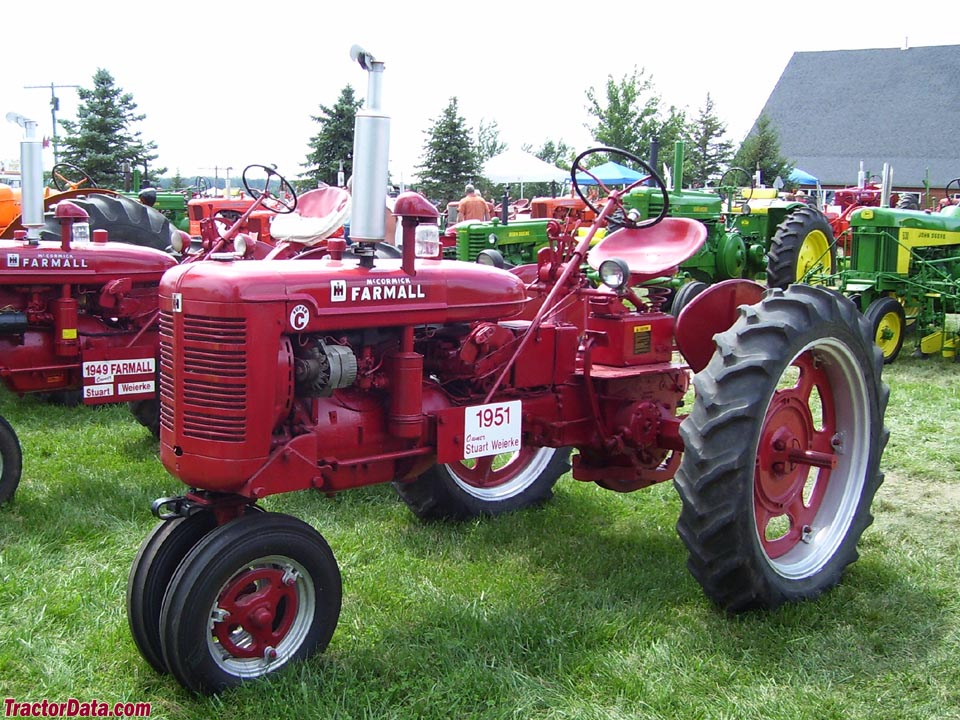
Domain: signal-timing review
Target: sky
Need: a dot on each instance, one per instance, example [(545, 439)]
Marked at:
[(225, 85)]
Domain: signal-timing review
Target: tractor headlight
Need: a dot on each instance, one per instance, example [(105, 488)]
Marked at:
[(614, 273), (179, 241), (243, 244), (427, 240)]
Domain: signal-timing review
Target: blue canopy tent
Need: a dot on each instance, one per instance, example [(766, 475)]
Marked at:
[(610, 173), (802, 177)]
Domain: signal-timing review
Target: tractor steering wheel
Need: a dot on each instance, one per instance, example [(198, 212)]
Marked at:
[(625, 221), (63, 183), (946, 190), (201, 185), (281, 200), (727, 192)]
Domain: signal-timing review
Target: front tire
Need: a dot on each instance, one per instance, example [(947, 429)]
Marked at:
[(802, 243), (11, 461), (782, 450), (253, 595), (157, 560), (888, 324), (486, 486)]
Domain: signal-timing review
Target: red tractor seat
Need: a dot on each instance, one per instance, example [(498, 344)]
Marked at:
[(319, 214), (654, 251)]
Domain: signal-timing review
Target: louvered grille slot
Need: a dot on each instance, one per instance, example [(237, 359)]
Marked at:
[(213, 378), (166, 369)]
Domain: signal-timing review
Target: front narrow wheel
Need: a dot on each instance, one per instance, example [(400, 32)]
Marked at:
[(157, 560), (888, 324), (782, 450), (255, 594)]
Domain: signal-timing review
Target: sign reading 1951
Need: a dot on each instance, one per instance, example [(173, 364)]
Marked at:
[(491, 429)]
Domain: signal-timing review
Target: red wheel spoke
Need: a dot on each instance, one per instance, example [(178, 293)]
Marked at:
[(261, 604)]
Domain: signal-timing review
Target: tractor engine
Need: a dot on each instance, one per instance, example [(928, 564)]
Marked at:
[(324, 359)]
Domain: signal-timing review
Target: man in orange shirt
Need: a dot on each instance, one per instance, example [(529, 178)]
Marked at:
[(472, 206)]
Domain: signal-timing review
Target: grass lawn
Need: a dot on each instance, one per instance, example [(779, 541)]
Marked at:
[(581, 609)]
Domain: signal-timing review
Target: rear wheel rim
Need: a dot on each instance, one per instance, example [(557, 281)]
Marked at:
[(811, 461), (814, 252), (498, 477)]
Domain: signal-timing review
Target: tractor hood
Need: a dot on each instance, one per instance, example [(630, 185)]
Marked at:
[(48, 263), (326, 294)]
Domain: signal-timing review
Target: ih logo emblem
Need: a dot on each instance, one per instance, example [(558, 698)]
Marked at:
[(338, 291), (13, 260)]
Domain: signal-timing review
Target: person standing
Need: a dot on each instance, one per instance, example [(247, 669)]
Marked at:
[(472, 206)]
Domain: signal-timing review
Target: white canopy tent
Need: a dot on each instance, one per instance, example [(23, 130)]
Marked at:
[(517, 166)]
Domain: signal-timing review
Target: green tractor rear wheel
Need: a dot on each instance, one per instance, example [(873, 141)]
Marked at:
[(888, 324), (802, 243)]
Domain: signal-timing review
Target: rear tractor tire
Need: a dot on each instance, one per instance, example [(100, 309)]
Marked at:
[(124, 219), (782, 450), (802, 243), (11, 461), (684, 295), (486, 486), (888, 324)]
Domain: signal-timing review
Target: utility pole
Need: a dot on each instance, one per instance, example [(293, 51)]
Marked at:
[(54, 106)]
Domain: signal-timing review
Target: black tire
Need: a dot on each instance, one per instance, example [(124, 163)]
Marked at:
[(147, 413), (888, 324), (745, 433), (282, 558), (160, 554), (11, 461), (685, 294), (461, 491), (125, 219), (802, 242), (908, 201), (66, 398)]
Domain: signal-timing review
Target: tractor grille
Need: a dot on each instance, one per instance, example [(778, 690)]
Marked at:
[(213, 377)]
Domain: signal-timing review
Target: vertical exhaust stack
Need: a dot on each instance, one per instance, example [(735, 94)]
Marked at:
[(371, 153), (31, 172)]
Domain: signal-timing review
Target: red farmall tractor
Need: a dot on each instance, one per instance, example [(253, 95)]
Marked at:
[(467, 386), (79, 318)]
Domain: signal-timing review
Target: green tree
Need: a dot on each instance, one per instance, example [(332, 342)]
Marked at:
[(488, 141), (708, 152), (449, 157), (333, 143), (102, 138), (176, 184), (627, 115), (761, 150)]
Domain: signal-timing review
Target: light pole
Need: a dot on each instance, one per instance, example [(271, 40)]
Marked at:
[(54, 106)]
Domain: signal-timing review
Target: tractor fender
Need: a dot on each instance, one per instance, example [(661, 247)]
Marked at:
[(712, 311)]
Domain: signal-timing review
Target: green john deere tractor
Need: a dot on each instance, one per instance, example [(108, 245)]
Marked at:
[(904, 273), (751, 233)]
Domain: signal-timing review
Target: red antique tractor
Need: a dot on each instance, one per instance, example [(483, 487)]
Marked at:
[(467, 386), (79, 319)]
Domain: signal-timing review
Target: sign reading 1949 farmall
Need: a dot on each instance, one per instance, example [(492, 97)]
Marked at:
[(118, 375)]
